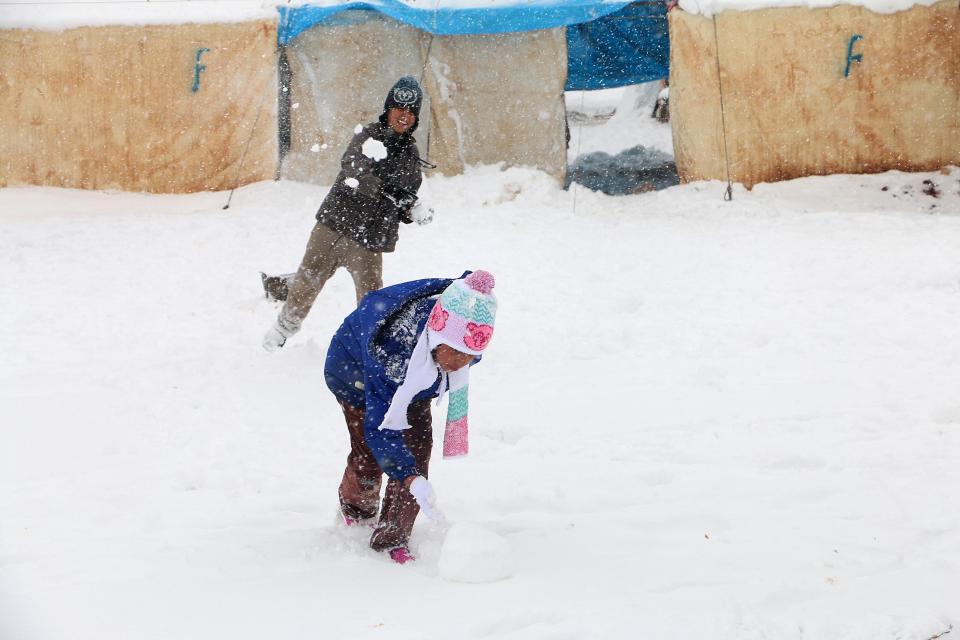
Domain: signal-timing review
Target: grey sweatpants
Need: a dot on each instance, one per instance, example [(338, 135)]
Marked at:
[(328, 250)]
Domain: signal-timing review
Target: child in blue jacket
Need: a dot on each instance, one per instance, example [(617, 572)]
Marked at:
[(401, 347)]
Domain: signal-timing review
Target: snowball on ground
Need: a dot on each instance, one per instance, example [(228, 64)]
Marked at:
[(472, 553)]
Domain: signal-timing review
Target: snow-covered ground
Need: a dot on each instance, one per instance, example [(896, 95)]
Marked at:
[(698, 420)]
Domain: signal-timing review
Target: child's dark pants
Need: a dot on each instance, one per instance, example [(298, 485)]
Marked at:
[(360, 487)]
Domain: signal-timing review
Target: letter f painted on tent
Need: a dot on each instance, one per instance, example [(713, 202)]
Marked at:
[(197, 68), (851, 56)]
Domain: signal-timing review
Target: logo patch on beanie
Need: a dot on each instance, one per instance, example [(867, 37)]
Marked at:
[(404, 95)]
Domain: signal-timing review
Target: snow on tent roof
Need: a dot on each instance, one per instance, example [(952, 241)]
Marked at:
[(455, 17), (711, 7), (442, 17), (56, 15)]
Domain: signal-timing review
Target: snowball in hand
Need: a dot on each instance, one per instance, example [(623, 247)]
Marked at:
[(471, 553), (374, 149)]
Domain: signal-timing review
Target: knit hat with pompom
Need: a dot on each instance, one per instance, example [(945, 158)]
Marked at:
[(464, 315)]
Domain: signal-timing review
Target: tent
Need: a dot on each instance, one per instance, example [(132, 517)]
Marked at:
[(494, 75), (153, 107), (181, 97), (784, 92)]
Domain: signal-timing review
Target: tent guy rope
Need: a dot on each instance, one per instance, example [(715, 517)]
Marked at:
[(728, 194), (243, 154)]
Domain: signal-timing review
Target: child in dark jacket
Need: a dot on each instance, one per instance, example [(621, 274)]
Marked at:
[(401, 347), (358, 221)]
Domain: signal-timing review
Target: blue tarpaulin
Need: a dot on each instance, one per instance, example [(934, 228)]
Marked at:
[(610, 44), (629, 46), (448, 21)]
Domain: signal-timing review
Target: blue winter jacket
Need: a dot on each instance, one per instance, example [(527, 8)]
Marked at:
[(367, 361)]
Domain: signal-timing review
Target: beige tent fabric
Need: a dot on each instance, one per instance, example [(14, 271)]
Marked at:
[(791, 106), (341, 74), (499, 98), (489, 99), (113, 107)]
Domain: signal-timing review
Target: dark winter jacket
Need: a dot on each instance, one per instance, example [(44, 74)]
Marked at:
[(360, 211), (367, 362)]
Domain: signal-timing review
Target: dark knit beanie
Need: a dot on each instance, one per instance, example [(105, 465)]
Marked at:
[(405, 94)]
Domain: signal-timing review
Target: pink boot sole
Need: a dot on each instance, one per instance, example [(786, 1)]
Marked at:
[(358, 522), (401, 555)]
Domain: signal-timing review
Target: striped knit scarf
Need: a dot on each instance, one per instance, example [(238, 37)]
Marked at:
[(421, 373)]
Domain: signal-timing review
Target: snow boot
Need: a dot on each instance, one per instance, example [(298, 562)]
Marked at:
[(401, 555), (359, 522), (277, 288)]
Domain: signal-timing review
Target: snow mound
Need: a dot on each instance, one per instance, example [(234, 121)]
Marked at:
[(472, 553)]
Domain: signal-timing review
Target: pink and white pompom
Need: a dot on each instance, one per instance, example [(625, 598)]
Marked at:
[(481, 281)]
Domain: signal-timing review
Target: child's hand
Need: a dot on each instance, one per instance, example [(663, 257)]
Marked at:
[(423, 493), (421, 214)]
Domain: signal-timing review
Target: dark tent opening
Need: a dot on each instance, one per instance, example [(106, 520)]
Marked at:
[(628, 47)]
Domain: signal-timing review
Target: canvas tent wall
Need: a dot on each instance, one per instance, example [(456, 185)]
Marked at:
[(157, 108), (479, 108), (807, 92), (495, 78), (181, 96)]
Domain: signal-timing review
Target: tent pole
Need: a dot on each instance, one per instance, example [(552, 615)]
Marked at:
[(573, 183), (423, 72)]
